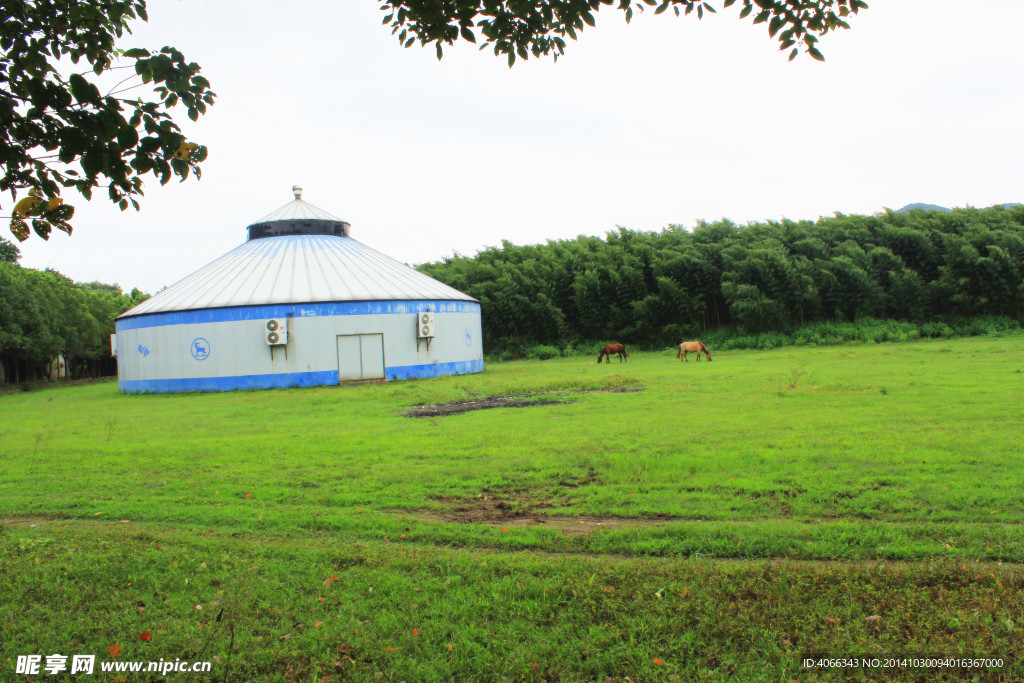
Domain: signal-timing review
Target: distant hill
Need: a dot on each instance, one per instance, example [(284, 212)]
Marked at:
[(923, 207), (936, 207)]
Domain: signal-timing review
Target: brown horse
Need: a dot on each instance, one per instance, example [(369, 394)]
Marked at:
[(613, 348), (693, 347)]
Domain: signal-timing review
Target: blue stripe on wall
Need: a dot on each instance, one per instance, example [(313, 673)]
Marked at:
[(294, 379), (216, 315), (434, 369)]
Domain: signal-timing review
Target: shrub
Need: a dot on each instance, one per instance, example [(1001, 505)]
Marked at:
[(935, 330), (543, 352)]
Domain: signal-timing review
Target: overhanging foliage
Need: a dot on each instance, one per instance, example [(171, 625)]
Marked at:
[(70, 117), (517, 28)]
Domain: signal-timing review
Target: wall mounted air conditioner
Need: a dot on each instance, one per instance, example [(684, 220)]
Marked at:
[(276, 331), (424, 325)]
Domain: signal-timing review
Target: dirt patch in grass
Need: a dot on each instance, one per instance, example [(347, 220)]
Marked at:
[(30, 521), (515, 401), (456, 407), (511, 518), (510, 508)]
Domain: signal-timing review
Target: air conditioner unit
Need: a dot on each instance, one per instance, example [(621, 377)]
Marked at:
[(424, 325), (276, 332)]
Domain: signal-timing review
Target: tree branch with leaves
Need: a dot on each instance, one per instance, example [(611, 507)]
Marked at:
[(60, 130), (521, 28)]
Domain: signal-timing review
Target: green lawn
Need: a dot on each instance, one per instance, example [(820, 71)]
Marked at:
[(688, 530)]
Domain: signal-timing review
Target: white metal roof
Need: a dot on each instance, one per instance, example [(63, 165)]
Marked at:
[(299, 210), (297, 269)]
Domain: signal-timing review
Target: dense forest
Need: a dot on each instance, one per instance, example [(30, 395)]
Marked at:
[(44, 314), (658, 288)]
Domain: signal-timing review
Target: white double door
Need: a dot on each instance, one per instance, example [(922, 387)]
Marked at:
[(360, 356)]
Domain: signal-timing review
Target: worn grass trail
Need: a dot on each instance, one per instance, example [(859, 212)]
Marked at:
[(324, 533), (311, 606)]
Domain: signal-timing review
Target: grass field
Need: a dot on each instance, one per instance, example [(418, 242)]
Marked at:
[(652, 520)]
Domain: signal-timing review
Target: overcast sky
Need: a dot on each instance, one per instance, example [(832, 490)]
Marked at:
[(662, 121)]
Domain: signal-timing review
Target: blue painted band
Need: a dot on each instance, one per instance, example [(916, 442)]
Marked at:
[(464, 367), (217, 315), (294, 379)]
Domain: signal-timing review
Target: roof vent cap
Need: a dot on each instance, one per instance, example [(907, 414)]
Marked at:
[(297, 191)]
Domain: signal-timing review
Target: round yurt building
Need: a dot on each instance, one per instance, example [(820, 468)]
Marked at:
[(301, 303)]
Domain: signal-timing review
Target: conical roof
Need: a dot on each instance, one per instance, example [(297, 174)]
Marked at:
[(297, 268), (298, 210)]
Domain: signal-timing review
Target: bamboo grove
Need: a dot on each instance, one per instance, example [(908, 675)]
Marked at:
[(44, 314), (655, 288)]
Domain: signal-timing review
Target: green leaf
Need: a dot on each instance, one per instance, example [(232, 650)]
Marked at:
[(127, 137), (467, 34), (91, 163), (19, 229), (79, 87), (813, 52), (42, 228)]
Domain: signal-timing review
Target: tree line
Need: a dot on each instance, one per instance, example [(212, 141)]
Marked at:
[(642, 288), (657, 288), (44, 314)]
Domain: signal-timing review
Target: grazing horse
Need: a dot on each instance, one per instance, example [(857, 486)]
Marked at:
[(695, 347), (613, 348)]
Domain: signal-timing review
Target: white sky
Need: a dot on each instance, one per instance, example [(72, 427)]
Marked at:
[(665, 120)]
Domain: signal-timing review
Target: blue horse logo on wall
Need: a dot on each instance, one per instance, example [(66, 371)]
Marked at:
[(200, 349)]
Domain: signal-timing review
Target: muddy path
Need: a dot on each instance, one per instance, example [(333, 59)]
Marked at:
[(513, 401)]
